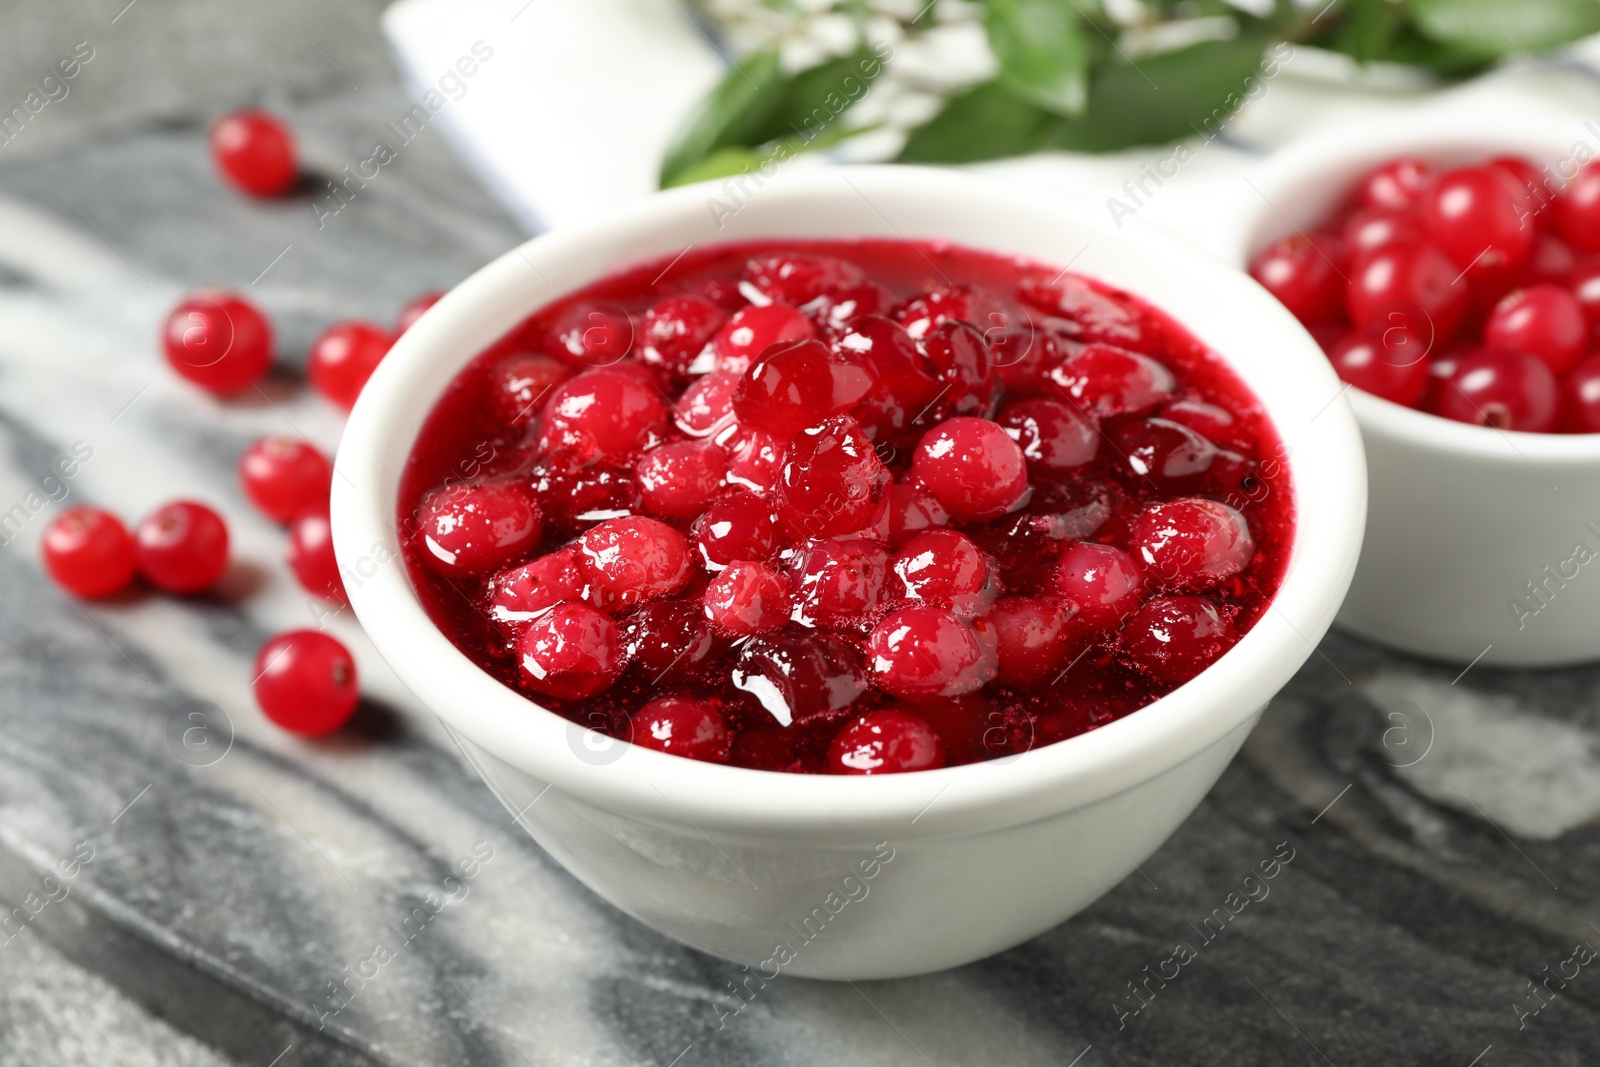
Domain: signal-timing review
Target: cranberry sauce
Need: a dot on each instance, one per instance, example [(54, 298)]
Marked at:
[(846, 507)]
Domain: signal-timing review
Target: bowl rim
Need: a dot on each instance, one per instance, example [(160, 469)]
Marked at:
[(1443, 131), (670, 790)]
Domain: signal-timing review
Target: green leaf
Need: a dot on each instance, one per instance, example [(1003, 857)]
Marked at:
[(721, 163), (985, 122), (1491, 28), (813, 98), (1043, 53), (739, 105), (1165, 97), (1364, 30)]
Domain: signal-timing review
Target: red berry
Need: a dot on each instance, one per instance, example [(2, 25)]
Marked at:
[(1373, 227), (520, 594), (921, 313), (1191, 543), (755, 457), (218, 341), (1024, 358), (634, 559), (415, 309), (602, 414), (306, 682), (1162, 449), (831, 481), (571, 500), (1398, 184), (1527, 175), (1584, 281), (972, 467), (754, 329), (676, 330), (797, 675), (1176, 637), (1580, 397), (929, 652), (1053, 436), (1577, 210), (679, 479), (1207, 420), (746, 598), (706, 406), (667, 638), (1500, 388), (478, 528), (88, 552), (903, 387), (944, 568), (1479, 218), (1542, 320), (569, 652), (182, 547), (597, 335), (842, 307), (798, 278), (521, 384), (838, 580), (1390, 372), (1032, 638), (911, 511), (285, 477), (963, 363), (738, 526), (1103, 380), (255, 151), (885, 742), (1414, 285), (1305, 273), (311, 556), (344, 357), (682, 726), (797, 384), (1101, 581)]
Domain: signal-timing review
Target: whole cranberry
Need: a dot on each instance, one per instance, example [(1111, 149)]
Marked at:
[(944, 568), (754, 329), (1176, 637), (605, 415), (520, 594), (1191, 543), (570, 652), (285, 476), (1162, 449), (746, 598), (306, 682), (885, 742), (344, 357), (1500, 388), (1584, 282), (667, 638), (1101, 581), (796, 384), (1542, 320), (1305, 272), (796, 675), (683, 726), (1024, 358), (573, 499), (755, 457), (839, 579), (738, 526), (255, 151), (1411, 285), (706, 406), (182, 547), (415, 308), (838, 309), (594, 334), (1579, 400), (1479, 218), (218, 341), (972, 467), (677, 329), (799, 277), (311, 556), (831, 481), (634, 559), (477, 528), (1527, 176), (922, 312), (903, 385), (1032, 638), (929, 652), (88, 552), (1371, 228), (520, 384), (1208, 420), (962, 362), (1363, 360), (679, 479), (1398, 184), (1577, 210), (911, 511), (1053, 436), (1103, 381)]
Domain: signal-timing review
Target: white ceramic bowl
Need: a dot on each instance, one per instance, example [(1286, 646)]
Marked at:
[(1464, 522), (858, 877)]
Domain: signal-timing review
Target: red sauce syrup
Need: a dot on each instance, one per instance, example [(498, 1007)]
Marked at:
[(846, 506)]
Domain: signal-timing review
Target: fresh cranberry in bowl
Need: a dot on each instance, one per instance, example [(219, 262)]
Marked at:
[(1502, 389), (1305, 272), (1545, 321), (475, 528)]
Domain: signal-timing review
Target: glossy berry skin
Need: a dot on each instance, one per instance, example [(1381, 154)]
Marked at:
[(667, 639), (466, 530), (1579, 398), (285, 477), (676, 330), (522, 384), (903, 385), (1053, 436), (570, 652), (1176, 637), (798, 277), (911, 511), (706, 406), (344, 357), (255, 151), (1101, 581), (738, 526), (1102, 381), (885, 742), (520, 594), (1191, 543), (830, 481), (218, 341), (797, 384), (682, 726), (88, 552), (1363, 360), (311, 556), (944, 568), (796, 675), (1162, 450), (1373, 227), (1479, 218), (746, 598), (1304, 273), (603, 415), (415, 308), (963, 364), (839, 579), (1500, 388), (634, 559), (1032, 638), (1414, 285), (1542, 320), (972, 467), (680, 479), (1577, 210), (182, 548), (306, 682), (1397, 185), (754, 329), (921, 652), (595, 335)]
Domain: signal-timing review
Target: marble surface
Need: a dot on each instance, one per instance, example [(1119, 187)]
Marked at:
[(1439, 825)]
